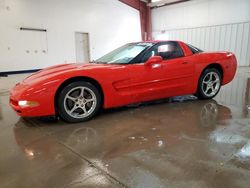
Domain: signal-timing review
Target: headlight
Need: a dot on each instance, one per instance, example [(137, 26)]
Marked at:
[(27, 103)]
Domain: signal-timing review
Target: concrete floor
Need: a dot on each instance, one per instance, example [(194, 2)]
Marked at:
[(177, 142)]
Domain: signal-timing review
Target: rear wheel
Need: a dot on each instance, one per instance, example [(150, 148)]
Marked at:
[(78, 101), (209, 84)]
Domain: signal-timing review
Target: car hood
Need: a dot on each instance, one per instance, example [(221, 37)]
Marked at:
[(62, 69)]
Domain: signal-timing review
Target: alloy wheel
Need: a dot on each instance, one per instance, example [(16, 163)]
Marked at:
[(211, 84), (80, 102)]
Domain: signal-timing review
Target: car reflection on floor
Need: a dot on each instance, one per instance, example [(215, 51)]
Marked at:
[(174, 120)]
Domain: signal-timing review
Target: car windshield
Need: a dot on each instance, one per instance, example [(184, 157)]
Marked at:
[(124, 54)]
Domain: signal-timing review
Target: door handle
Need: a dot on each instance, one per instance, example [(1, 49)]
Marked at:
[(184, 63)]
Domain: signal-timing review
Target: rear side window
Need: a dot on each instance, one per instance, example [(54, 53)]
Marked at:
[(167, 50), (194, 49)]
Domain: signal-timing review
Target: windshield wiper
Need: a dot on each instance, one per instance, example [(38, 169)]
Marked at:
[(98, 62)]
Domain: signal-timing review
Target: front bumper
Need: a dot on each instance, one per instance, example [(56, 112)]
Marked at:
[(43, 97), (28, 111)]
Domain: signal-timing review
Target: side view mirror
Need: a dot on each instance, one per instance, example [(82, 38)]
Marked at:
[(153, 60)]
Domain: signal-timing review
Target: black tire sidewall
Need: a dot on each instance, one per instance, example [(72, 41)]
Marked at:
[(201, 94), (60, 101)]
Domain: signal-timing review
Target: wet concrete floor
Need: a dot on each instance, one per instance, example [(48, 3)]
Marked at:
[(177, 142)]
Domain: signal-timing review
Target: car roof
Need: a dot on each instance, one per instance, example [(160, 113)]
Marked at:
[(157, 41)]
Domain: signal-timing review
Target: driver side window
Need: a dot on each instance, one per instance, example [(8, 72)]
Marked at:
[(167, 50)]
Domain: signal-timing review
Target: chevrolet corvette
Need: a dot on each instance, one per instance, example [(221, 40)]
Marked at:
[(133, 73)]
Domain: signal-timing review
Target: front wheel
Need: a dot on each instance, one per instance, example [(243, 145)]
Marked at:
[(209, 84), (78, 101)]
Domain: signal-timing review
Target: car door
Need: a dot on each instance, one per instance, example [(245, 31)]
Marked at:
[(172, 76)]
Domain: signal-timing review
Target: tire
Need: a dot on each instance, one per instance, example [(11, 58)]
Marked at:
[(78, 101), (209, 84)]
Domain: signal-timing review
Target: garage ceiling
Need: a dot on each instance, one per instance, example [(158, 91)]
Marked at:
[(159, 3)]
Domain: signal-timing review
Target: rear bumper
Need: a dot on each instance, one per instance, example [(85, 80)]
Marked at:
[(230, 67)]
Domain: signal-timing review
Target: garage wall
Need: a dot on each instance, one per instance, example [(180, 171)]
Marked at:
[(211, 25), (109, 23), (229, 37), (235, 92)]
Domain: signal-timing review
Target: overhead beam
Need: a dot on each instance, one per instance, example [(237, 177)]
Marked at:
[(133, 3)]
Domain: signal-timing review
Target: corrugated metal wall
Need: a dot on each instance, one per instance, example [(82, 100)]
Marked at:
[(228, 37), (235, 92)]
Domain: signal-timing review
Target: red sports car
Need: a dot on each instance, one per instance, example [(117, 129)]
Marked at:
[(135, 72)]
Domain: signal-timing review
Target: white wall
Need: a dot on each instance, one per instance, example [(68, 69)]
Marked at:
[(109, 23), (212, 25), (198, 13)]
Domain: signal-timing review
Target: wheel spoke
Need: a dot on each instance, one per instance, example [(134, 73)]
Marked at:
[(205, 84), (210, 76), (73, 109), (215, 81), (212, 89), (90, 100), (207, 89), (84, 109), (71, 98), (82, 92)]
